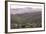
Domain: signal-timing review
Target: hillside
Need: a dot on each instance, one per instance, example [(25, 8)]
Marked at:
[(26, 20)]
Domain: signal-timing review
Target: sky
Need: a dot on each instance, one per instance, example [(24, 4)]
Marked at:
[(22, 6)]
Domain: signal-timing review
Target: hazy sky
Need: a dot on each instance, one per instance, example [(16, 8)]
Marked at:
[(22, 6)]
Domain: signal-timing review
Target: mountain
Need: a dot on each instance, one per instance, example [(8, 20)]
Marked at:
[(26, 20), (24, 10)]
